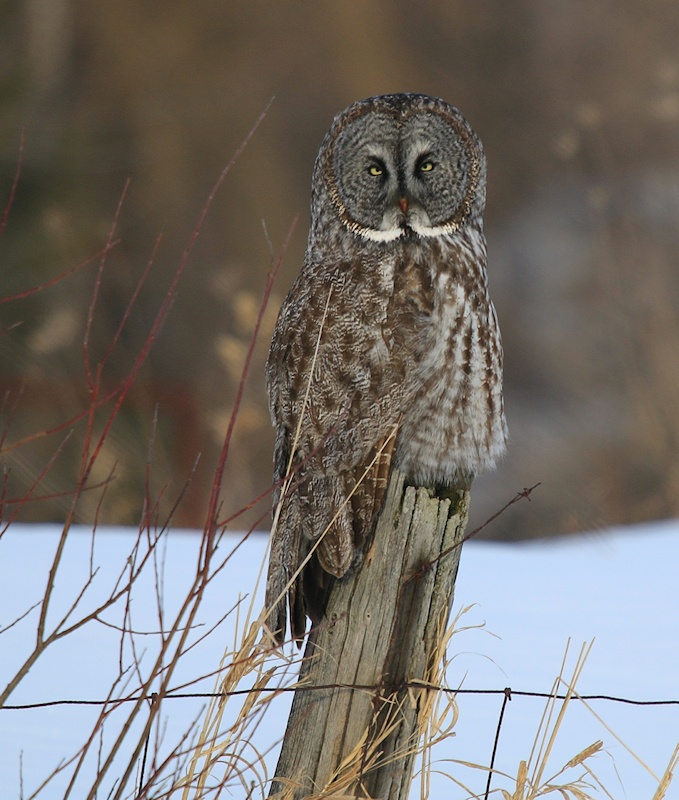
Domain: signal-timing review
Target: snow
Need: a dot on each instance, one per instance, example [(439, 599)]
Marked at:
[(524, 602)]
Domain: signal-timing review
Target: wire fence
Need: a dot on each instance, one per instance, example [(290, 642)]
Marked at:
[(507, 692)]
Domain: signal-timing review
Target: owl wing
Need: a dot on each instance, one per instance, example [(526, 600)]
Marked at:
[(335, 406)]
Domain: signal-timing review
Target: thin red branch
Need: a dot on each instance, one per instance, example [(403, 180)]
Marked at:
[(69, 423), (41, 498), (60, 277), (9, 413), (3, 496), (221, 465), (128, 309), (15, 182), (168, 300), (524, 494), (97, 287), (29, 495)]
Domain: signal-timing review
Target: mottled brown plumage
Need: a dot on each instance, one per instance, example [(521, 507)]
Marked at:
[(386, 347)]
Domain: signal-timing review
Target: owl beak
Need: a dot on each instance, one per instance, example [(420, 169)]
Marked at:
[(403, 202)]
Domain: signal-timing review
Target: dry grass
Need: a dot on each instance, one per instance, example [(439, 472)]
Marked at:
[(536, 776), (530, 780)]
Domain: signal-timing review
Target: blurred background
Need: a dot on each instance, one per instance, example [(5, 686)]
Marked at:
[(578, 107)]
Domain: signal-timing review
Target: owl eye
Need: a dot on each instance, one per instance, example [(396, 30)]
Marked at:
[(426, 166), (375, 170)]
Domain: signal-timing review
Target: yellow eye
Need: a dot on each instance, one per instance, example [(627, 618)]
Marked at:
[(375, 170), (426, 166)]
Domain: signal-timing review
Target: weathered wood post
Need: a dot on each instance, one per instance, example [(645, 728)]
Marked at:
[(384, 625)]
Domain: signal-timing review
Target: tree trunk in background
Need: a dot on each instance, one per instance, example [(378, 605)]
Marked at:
[(384, 626)]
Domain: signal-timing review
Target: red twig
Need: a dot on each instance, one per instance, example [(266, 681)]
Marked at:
[(60, 277), (524, 494), (15, 182), (97, 287), (29, 494), (41, 498), (128, 309), (211, 523)]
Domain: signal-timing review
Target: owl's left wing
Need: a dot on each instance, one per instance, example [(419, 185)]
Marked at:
[(334, 395)]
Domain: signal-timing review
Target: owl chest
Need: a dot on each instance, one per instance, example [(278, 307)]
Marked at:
[(410, 315), (446, 354), (425, 313), (443, 369)]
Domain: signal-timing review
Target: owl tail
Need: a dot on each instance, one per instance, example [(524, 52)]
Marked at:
[(282, 588), (305, 596)]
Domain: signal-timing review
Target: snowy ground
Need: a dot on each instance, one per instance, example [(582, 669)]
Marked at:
[(618, 588)]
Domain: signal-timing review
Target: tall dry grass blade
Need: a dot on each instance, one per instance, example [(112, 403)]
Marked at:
[(285, 486), (616, 737), (668, 775), (528, 788), (535, 755), (298, 431), (577, 671), (439, 713)]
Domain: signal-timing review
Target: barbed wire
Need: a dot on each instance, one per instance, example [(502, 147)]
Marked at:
[(507, 691)]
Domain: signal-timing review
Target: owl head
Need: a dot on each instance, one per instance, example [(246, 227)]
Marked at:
[(400, 166)]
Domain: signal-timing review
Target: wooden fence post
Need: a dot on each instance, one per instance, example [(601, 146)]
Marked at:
[(384, 626)]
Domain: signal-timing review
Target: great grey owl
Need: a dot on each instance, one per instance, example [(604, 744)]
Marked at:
[(387, 347)]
